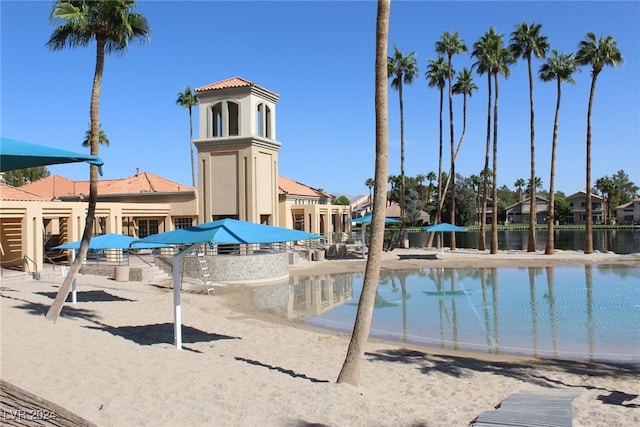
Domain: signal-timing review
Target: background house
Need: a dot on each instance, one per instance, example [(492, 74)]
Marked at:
[(629, 213), (520, 212), (578, 204)]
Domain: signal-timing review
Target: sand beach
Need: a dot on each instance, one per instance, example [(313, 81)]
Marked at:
[(110, 359)]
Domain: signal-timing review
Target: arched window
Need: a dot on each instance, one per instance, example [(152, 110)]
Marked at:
[(267, 121), (233, 110), (259, 118), (263, 120), (216, 119)]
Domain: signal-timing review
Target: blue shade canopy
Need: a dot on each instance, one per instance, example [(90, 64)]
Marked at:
[(445, 226), (20, 155), (229, 231), (112, 241), (367, 220)]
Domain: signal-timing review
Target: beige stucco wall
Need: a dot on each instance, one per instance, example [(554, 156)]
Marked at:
[(24, 225)]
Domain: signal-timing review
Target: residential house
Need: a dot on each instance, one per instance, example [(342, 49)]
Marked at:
[(629, 213), (578, 204), (520, 212)]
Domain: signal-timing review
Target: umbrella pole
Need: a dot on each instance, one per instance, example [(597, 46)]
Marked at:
[(177, 284), (74, 287)]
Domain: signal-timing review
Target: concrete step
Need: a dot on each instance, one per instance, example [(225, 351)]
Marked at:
[(13, 276)]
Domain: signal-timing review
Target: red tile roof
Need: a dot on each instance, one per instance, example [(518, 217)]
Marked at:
[(289, 186), (54, 186), (143, 182), (233, 82), (10, 193)]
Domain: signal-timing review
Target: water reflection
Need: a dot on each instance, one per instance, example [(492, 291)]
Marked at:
[(620, 241), (586, 313)]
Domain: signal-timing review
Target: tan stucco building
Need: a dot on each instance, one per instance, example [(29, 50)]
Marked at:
[(237, 175)]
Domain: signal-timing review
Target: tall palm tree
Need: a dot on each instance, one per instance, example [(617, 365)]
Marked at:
[(483, 51), (436, 75), (598, 53), (519, 184), (188, 99), (420, 178), (402, 70), (102, 137), (493, 58), (465, 86), (114, 25), (503, 59), (525, 42), (451, 44), (370, 183), (350, 372)]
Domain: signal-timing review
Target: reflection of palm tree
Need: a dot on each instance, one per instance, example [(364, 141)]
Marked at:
[(553, 320), (588, 273), (534, 310), (496, 321), (405, 297), (485, 304), (454, 310)]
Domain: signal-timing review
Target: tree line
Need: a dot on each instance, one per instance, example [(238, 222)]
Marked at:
[(421, 195), (494, 56)]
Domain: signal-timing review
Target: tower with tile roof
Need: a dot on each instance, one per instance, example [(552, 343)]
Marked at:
[(237, 152)]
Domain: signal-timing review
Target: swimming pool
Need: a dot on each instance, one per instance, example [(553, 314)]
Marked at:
[(578, 313)]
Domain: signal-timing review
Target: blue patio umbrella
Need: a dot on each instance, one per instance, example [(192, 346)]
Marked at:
[(445, 227), (223, 231), (20, 155), (107, 241), (112, 241), (364, 220), (229, 231), (367, 220)]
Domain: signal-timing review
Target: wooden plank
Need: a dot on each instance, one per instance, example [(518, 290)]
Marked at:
[(531, 409), (21, 408)]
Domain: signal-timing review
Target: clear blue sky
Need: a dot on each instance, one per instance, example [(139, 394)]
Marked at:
[(319, 56)]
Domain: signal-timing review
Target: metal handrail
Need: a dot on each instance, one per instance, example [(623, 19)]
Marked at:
[(26, 258)]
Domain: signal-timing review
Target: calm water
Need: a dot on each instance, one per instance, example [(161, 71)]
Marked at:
[(621, 241), (578, 313)]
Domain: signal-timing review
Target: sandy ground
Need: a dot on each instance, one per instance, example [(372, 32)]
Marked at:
[(109, 359)]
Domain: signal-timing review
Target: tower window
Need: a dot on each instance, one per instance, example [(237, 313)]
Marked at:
[(234, 118), (216, 111)]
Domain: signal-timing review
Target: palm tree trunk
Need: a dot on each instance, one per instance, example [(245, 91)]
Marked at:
[(494, 217), (482, 245), (452, 175), (63, 291), (441, 192), (351, 368), (193, 167), (549, 249), (401, 149), (533, 205), (588, 235)]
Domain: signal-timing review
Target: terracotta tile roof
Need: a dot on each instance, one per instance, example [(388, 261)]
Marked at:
[(233, 82), (143, 182), (7, 192), (289, 186), (55, 186)]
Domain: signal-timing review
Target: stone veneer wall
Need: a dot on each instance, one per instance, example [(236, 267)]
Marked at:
[(237, 268), (136, 274)]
